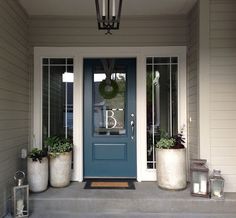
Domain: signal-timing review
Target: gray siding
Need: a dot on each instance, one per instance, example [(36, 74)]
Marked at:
[(14, 94), (139, 31), (223, 89), (192, 82)]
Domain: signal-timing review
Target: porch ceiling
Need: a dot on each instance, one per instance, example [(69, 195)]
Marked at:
[(87, 7)]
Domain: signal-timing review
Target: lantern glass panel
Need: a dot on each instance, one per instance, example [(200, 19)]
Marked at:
[(199, 182), (217, 185), (21, 201), (199, 177)]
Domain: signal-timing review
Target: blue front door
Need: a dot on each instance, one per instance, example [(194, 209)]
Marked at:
[(110, 118)]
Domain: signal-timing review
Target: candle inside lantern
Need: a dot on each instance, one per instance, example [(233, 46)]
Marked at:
[(113, 8), (20, 206), (196, 187), (103, 8), (217, 193)]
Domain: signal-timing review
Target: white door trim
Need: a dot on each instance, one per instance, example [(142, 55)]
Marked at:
[(78, 53)]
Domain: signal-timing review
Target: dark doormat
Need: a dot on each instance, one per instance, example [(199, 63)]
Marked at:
[(109, 184)]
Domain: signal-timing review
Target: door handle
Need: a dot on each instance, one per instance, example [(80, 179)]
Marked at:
[(132, 129)]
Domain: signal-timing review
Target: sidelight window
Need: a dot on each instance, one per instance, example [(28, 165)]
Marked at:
[(57, 97), (162, 101)]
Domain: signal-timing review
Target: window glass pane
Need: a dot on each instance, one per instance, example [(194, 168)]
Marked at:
[(162, 103), (109, 109), (70, 61), (174, 77), (45, 61), (57, 99), (45, 102), (58, 61), (159, 60), (174, 60), (70, 69), (149, 60), (151, 126)]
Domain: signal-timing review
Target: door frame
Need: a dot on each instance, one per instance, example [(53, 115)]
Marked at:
[(79, 53)]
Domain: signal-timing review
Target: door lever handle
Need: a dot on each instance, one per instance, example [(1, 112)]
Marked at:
[(132, 129)]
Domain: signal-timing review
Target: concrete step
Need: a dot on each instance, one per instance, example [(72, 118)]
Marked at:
[(132, 205), (146, 201), (129, 215)]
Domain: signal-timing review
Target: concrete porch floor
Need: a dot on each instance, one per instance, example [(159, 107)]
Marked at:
[(147, 200)]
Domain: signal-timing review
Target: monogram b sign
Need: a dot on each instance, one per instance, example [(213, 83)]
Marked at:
[(113, 118), (111, 121)]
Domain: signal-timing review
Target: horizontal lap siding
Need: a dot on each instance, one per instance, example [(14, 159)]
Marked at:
[(192, 82), (76, 31), (14, 94), (223, 89)]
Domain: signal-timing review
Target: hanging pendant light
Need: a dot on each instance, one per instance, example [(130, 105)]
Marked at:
[(108, 15)]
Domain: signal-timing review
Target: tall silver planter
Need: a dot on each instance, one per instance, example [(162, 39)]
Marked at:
[(60, 169), (171, 168), (37, 174)]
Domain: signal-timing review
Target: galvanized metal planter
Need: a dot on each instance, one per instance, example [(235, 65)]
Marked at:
[(171, 168)]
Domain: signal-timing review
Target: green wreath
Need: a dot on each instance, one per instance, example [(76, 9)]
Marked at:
[(108, 91)]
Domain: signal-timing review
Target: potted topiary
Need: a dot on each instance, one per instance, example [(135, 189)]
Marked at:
[(171, 162), (37, 168), (60, 158)]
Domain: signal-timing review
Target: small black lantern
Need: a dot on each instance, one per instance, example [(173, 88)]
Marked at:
[(20, 196), (199, 178), (217, 185)]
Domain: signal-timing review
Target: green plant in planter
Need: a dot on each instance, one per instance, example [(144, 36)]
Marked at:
[(57, 145), (165, 143), (171, 142), (37, 154)]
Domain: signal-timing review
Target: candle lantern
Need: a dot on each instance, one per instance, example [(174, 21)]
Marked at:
[(217, 185), (199, 178), (20, 196)]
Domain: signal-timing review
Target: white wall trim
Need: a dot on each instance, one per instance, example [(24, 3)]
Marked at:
[(37, 114), (78, 53), (204, 89)]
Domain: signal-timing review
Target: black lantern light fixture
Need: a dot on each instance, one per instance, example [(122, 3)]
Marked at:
[(108, 14)]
